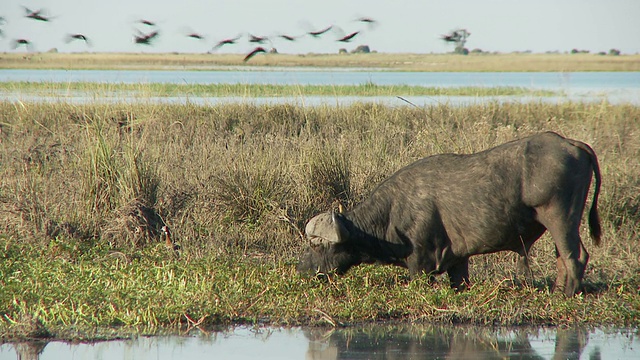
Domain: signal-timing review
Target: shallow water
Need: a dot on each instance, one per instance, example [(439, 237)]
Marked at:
[(402, 341), (614, 87), (301, 76)]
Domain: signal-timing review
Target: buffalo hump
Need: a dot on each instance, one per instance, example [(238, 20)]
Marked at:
[(435, 213)]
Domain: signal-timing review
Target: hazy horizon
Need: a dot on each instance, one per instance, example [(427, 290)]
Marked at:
[(403, 26)]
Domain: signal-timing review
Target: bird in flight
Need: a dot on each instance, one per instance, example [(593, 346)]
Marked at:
[(320, 32), (254, 52), (36, 15), (257, 39), (195, 36), (288, 37), (226, 42), (19, 42), (145, 39), (370, 23), (450, 37), (81, 37), (147, 22), (349, 37)]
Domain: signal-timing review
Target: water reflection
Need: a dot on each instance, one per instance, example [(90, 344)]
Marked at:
[(405, 341), (453, 343), (627, 97)]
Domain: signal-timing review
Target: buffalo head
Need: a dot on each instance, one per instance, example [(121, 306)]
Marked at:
[(329, 247)]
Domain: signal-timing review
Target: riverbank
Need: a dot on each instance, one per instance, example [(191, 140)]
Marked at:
[(85, 190), (372, 61)]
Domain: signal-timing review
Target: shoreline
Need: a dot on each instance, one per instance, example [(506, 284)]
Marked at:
[(366, 62)]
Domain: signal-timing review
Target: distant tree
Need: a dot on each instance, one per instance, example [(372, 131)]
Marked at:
[(342, 51), (614, 52), (361, 49), (576, 51)]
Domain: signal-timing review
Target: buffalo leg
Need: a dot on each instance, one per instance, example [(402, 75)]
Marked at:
[(459, 275), (571, 255)]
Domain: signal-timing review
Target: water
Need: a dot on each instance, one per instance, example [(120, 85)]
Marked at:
[(298, 76), (615, 87), (398, 341)]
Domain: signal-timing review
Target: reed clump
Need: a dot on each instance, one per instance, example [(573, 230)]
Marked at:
[(86, 189)]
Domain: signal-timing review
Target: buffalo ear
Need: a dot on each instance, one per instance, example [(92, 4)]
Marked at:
[(340, 227)]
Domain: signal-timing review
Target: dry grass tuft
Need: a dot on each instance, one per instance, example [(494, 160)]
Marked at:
[(134, 224)]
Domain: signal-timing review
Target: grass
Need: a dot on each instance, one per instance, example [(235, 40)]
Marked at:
[(385, 61), (85, 190), (257, 90)]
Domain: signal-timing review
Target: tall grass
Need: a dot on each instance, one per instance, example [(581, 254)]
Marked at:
[(85, 190), (258, 90), (242, 163)]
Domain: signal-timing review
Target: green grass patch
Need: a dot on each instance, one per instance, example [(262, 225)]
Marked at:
[(152, 291), (266, 90)]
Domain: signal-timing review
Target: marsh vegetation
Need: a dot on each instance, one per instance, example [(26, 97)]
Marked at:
[(383, 61), (104, 90), (86, 189)]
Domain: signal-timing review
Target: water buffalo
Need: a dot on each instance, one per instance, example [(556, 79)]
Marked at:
[(432, 215)]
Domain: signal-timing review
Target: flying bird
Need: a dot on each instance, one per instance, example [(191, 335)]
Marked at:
[(81, 37), (36, 15), (320, 32), (453, 37), (366, 20), (226, 42), (253, 53), (147, 22), (19, 42), (145, 39), (257, 39), (370, 23), (349, 37), (288, 37), (195, 36)]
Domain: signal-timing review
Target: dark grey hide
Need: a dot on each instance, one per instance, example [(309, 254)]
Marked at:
[(432, 215)]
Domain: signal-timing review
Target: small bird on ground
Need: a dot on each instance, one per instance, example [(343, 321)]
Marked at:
[(254, 52), (168, 241)]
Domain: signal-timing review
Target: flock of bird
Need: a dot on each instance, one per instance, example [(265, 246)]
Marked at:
[(152, 33)]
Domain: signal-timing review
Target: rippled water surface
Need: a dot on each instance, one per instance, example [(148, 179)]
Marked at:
[(372, 342)]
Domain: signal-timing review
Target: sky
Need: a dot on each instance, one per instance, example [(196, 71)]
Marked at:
[(402, 26)]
